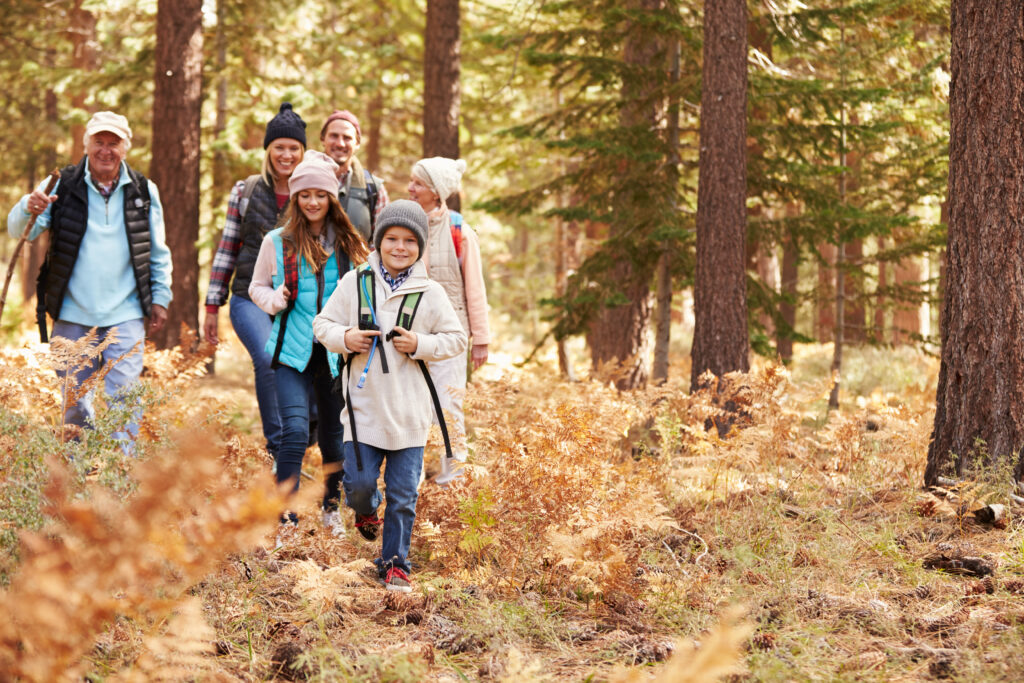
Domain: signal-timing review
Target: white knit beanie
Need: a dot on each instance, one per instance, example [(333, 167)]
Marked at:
[(316, 171), (442, 174)]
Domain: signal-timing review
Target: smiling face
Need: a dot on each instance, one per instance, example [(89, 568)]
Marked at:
[(314, 205), (399, 249), (340, 142), (285, 154), (420, 193), (106, 152)]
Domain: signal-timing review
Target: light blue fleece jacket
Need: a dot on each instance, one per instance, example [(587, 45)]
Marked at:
[(102, 291)]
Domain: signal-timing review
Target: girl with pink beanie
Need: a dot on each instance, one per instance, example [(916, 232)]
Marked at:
[(297, 269)]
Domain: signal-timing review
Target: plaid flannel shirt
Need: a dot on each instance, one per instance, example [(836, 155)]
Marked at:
[(227, 252)]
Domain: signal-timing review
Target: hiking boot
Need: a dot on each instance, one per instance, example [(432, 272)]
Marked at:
[(333, 524), (397, 580), (368, 526)]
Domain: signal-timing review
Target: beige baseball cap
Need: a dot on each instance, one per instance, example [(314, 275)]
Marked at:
[(110, 122)]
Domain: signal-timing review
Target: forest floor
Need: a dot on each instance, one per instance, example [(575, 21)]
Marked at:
[(595, 537)]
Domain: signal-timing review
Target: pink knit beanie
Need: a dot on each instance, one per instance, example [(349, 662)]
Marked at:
[(316, 171), (342, 115)]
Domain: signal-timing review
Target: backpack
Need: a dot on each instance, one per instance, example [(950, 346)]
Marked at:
[(243, 199), (368, 321), (457, 234)]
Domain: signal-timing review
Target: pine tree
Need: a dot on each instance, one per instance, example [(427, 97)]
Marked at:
[(979, 416)]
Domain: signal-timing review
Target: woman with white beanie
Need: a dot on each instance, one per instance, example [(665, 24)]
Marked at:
[(453, 259)]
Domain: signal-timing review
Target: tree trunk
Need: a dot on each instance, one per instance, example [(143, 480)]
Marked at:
[(82, 33), (175, 164), (35, 251), (787, 309), (721, 340), (878, 333), (981, 379), (441, 65), (620, 333), (663, 299), (907, 316)]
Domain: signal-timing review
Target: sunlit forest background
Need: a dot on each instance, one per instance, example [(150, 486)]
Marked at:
[(623, 516)]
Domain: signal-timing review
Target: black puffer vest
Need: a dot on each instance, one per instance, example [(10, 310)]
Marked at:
[(261, 216), (68, 223)]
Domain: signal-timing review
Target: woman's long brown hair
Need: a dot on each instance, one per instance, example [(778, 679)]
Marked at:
[(347, 239)]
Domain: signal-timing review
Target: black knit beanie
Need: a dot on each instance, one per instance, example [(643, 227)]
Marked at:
[(287, 124)]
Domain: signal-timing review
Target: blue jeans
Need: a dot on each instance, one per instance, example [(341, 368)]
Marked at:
[(293, 395), (253, 328), (401, 483), (122, 375)]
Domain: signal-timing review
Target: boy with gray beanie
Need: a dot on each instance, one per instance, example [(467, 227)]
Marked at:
[(388, 406)]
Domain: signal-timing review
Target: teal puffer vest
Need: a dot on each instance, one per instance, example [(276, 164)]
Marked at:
[(313, 291)]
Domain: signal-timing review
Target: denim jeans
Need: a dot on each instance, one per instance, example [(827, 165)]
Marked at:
[(401, 481), (253, 328), (294, 389), (122, 375)]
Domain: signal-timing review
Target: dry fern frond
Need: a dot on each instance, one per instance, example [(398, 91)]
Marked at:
[(716, 656), (109, 557)]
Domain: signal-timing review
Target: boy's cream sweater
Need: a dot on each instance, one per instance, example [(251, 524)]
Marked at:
[(392, 411)]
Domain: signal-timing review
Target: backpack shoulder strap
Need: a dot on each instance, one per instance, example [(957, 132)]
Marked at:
[(372, 193), (141, 182), (457, 233), (291, 281), (247, 190), (367, 297)]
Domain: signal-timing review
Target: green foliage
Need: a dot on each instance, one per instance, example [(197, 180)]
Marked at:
[(847, 108), (610, 166)]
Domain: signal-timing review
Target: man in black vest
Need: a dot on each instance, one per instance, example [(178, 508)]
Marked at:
[(107, 266), (361, 193)]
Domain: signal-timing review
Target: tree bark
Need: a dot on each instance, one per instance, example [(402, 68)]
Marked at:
[(175, 163), (663, 298), (981, 379), (620, 333), (906, 316), (442, 47), (721, 340), (787, 309), (82, 34)]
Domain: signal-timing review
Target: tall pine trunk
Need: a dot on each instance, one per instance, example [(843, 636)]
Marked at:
[(441, 67), (620, 333), (175, 164), (981, 378), (721, 341)]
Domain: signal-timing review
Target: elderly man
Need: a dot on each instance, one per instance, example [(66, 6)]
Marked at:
[(108, 265), (361, 194)]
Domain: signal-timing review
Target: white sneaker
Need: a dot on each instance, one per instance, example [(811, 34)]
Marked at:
[(332, 523), (286, 533), (449, 471)]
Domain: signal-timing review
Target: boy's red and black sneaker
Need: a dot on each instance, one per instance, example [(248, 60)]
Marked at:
[(368, 526), (397, 580)]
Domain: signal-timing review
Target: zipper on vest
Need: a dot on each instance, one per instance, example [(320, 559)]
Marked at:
[(319, 289)]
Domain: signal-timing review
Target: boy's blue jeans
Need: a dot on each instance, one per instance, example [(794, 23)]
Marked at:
[(401, 483)]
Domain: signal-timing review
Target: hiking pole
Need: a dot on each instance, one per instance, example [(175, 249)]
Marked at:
[(24, 238)]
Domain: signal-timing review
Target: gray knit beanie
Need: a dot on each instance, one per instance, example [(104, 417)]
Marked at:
[(403, 213), (286, 124)]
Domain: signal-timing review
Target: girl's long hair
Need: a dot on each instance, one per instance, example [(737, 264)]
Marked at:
[(347, 239)]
